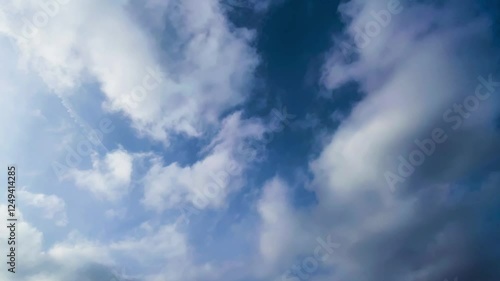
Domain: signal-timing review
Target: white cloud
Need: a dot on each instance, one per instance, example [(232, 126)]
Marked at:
[(207, 65), (171, 257), (52, 206), (74, 259), (109, 178), (169, 244), (206, 183), (412, 74), (281, 232), (26, 235), (205, 70), (162, 252), (78, 250)]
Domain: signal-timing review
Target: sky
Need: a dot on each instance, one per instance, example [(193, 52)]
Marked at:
[(249, 140)]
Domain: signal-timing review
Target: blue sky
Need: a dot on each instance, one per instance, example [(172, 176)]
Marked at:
[(252, 139)]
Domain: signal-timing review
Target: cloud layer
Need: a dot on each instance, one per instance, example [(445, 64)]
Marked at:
[(404, 188)]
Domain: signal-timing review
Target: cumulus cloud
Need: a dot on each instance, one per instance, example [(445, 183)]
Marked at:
[(207, 182), (78, 257), (413, 60), (201, 68), (60, 262), (77, 250), (172, 257), (279, 220), (109, 178), (51, 206), (291, 239), (204, 71), (412, 77), (413, 73)]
